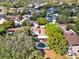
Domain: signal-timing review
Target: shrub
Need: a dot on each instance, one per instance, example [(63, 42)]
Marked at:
[(64, 19), (41, 21), (68, 27), (8, 24), (24, 24), (2, 29), (42, 13)]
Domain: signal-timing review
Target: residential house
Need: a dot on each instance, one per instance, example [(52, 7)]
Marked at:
[(3, 12), (73, 43), (13, 14), (50, 14), (13, 10), (20, 9), (39, 36)]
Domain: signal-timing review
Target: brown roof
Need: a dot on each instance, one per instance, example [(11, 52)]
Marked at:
[(14, 29), (13, 17), (72, 39)]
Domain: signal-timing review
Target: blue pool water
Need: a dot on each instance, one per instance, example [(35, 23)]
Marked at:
[(41, 45)]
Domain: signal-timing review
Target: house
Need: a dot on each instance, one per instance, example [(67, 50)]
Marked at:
[(2, 20), (73, 40), (13, 10), (13, 14), (39, 36), (73, 43), (50, 14), (10, 31), (20, 9), (3, 10), (13, 17)]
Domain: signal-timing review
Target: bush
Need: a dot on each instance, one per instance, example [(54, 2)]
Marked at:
[(64, 19), (2, 29), (68, 27), (24, 24), (8, 24), (42, 13), (41, 21), (34, 17)]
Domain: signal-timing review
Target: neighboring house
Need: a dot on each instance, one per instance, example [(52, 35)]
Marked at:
[(3, 10), (49, 14), (73, 42), (39, 36), (20, 9), (10, 31), (2, 20), (13, 17), (72, 39), (13, 14), (17, 23), (36, 5), (13, 10)]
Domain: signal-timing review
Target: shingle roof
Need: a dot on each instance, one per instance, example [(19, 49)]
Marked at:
[(72, 39)]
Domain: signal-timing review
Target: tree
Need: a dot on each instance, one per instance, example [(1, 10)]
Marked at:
[(20, 3), (34, 17), (8, 24), (76, 26), (17, 46), (24, 24), (56, 39), (2, 29), (7, 4), (42, 13), (41, 21), (64, 19)]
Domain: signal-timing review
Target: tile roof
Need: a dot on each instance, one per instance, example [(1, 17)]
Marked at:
[(72, 39)]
